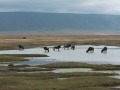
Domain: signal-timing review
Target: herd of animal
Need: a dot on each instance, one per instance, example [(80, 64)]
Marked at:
[(90, 49), (59, 46)]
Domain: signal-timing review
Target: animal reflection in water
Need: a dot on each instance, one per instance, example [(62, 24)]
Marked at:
[(73, 47), (67, 46), (90, 49), (57, 47), (46, 49), (21, 47), (104, 50)]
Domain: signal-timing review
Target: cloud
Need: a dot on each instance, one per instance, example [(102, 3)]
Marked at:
[(62, 6)]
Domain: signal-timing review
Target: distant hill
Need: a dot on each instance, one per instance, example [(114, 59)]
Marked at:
[(58, 23)]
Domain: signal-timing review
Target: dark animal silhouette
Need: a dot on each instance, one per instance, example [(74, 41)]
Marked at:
[(67, 46), (21, 47), (104, 50), (24, 37), (46, 48), (57, 47), (90, 49), (73, 47)]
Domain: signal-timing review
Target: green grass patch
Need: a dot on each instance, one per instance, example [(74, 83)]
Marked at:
[(18, 69), (25, 55), (18, 57), (50, 81), (82, 65)]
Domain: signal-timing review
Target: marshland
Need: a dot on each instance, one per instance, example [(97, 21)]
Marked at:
[(17, 74)]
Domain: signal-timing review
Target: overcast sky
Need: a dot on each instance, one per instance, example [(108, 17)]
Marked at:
[(62, 6)]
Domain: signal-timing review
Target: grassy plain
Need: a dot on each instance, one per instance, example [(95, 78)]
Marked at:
[(12, 42), (52, 81), (82, 65), (18, 57), (12, 78)]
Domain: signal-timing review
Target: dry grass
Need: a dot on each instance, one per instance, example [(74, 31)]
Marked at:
[(12, 42)]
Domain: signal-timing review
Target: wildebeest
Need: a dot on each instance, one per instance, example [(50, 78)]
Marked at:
[(104, 50), (57, 47), (46, 48), (73, 47), (67, 46), (90, 49), (21, 47), (24, 37)]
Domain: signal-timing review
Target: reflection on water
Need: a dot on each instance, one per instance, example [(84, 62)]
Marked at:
[(3, 64), (33, 72), (116, 87), (77, 55), (116, 76), (68, 70), (61, 78), (35, 62)]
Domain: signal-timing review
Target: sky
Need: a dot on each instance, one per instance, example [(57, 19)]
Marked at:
[(62, 6)]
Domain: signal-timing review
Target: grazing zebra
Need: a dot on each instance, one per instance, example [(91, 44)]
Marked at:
[(67, 46), (90, 49), (104, 50), (57, 47), (21, 47), (73, 47), (46, 48)]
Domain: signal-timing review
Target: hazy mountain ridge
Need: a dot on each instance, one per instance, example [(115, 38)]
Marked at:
[(58, 22)]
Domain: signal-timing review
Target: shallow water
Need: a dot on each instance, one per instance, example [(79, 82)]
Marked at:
[(78, 55), (69, 70), (35, 62)]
